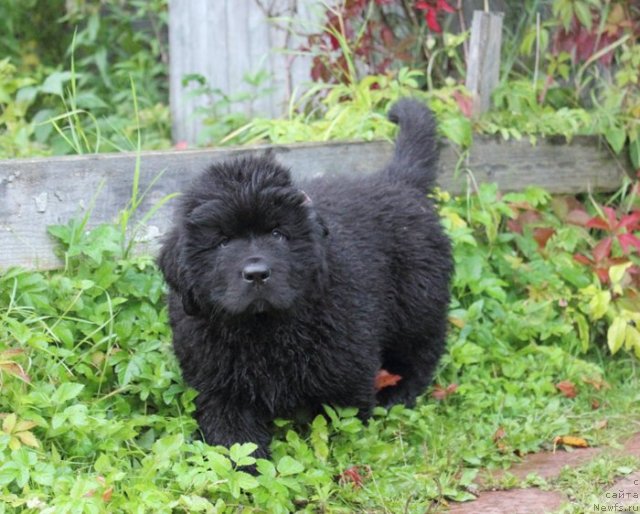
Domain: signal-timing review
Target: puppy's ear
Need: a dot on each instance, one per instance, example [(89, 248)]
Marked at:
[(169, 261), (315, 218), (189, 303)]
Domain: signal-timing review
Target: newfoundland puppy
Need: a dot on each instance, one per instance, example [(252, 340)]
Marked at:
[(284, 297)]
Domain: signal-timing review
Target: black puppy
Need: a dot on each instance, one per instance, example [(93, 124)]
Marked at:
[(281, 300)]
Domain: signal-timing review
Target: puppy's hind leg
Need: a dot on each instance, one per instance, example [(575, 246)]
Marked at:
[(416, 370)]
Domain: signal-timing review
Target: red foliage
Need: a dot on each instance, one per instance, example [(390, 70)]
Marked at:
[(616, 228), (440, 393), (527, 215), (373, 40), (567, 388), (582, 42), (354, 476), (386, 379), (431, 10), (465, 103)]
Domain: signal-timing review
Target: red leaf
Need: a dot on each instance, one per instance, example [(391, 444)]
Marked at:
[(599, 223), (15, 369), (567, 388), (578, 217), (500, 434), (542, 235), (431, 17), (440, 393), (630, 221), (386, 379), (611, 216), (603, 275), (514, 226), (582, 259), (603, 249), (626, 240), (441, 5), (596, 382), (386, 35), (465, 103), (106, 496), (352, 475)]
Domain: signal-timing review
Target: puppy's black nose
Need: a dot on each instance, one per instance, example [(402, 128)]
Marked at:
[(256, 272)]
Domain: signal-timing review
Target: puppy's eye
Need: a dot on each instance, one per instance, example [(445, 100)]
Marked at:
[(224, 242), (276, 234)]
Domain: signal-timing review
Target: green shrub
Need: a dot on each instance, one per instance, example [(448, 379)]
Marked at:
[(95, 416)]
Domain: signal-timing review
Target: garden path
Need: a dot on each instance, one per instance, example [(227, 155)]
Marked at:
[(548, 465)]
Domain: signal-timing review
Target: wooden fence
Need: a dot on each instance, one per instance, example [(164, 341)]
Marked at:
[(223, 40), (36, 193)]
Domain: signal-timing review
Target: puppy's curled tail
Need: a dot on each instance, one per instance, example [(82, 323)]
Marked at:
[(416, 153)]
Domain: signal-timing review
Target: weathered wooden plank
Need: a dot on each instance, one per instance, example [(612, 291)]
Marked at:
[(483, 63), (35, 193)]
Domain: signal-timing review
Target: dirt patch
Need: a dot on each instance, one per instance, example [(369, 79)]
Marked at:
[(632, 446), (514, 501), (548, 465)]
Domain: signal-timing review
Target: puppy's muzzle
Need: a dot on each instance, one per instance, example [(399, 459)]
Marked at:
[(256, 272)]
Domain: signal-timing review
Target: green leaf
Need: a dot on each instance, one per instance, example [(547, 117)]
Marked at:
[(583, 14), (246, 481), (616, 137), (320, 437), (599, 303), (616, 334), (8, 473), (458, 130), (66, 392), (54, 82), (239, 452), (616, 274), (467, 353), (168, 446), (289, 466), (77, 415), (583, 331), (9, 423), (632, 339), (266, 468), (219, 463), (634, 153), (195, 503)]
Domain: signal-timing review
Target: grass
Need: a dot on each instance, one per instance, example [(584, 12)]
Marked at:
[(96, 418), (589, 484)]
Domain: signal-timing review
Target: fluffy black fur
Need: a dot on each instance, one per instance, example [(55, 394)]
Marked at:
[(281, 300)]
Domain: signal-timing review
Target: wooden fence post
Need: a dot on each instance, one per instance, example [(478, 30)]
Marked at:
[(483, 66), (224, 40)]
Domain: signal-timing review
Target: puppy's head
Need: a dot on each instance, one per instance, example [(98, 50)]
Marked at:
[(247, 241)]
